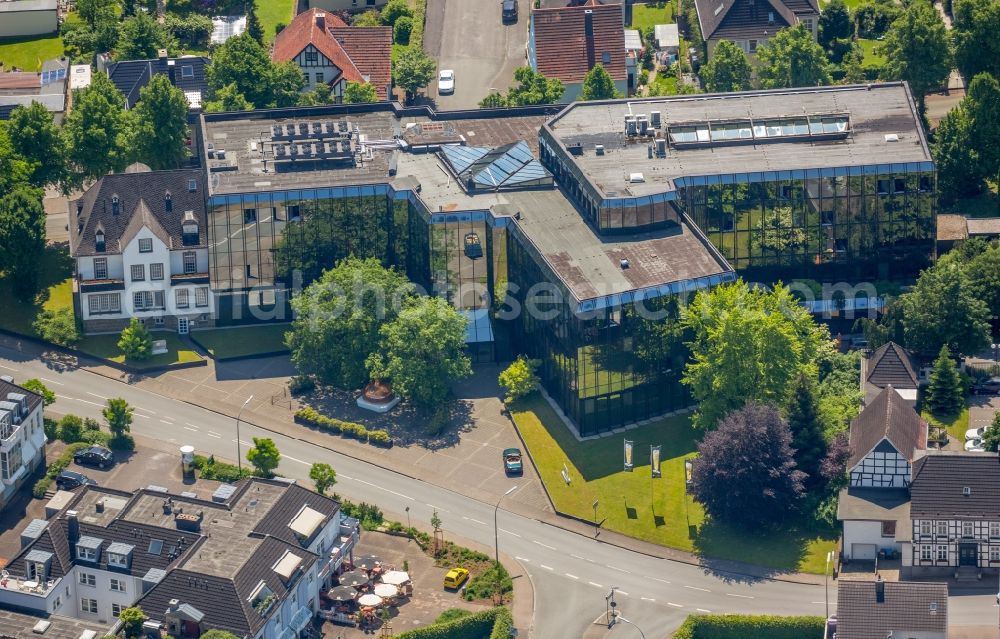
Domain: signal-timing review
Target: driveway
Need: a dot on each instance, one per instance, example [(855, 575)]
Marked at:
[(468, 37)]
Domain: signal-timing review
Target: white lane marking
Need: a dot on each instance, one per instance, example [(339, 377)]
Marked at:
[(674, 605), (729, 594), (85, 401), (141, 415), (622, 592), (440, 510), (617, 568), (543, 545), (163, 421), (595, 585), (509, 532), (215, 435), (145, 410), (522, 559), (582, 558), (242, 443), (703, 610), (662, 581), (823, 602), (52, 381), (391, 492), (97, 396), (647, 599), (475, 520), (290, 458), (8, 368), (697, 588), (545, 567), (571, 576), (190, 424), (167, 420), (191, 429)]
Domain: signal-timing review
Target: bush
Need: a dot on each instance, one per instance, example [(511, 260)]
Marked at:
[(58, 465), (312, 417), (123, 442), (451, 614), (58, 327), (96, 438), (484, 586), (278, 28), (369, 515), (191, 31), (51, 428), (519, 379), (402, 29), (749, 627), (394, 10), (37, 387), (494, 623), (135, 341), (208, 468), (301, 384), (71, 429)]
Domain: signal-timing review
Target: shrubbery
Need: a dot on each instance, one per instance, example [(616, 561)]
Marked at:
[(494, 623), (749, 627), (484, 585), (57, 466), (301, 384), (208, 468), (312, 417)]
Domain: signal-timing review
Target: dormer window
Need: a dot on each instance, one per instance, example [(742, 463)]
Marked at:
[(168, 203), (119, 555), (88, 549), (115, 205), (192, 186), (36, 565), (262, 598), (189, 229), (99, 241)]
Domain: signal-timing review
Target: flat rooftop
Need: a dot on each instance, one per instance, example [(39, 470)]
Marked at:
[(19, 625), (874, 112)]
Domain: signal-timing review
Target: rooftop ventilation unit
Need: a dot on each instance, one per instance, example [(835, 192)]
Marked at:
[(624, 264), (630, 126), (891, 137), (642, 122), (576, 148), (654, 119), (599, 149), (636, 178), (661, 147)]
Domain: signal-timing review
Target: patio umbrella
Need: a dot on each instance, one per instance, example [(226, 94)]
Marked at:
[(370, 600), (395, 577), (367, 562), (385, 590), (342, 593), (354, 578)]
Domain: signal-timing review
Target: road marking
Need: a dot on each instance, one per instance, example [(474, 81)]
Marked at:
[(729, 594), (622, 592), (167, 420), (663, 581), (441, 510), (242, 443), (595, 585), (818, 602), (509, 532), (703, 610), (522, 559), (190, 424), (97, 396), (545, 567), (697, 588), (141, 415), (674, 605), (475, 520), (215, 435), (145, 410), (391, 492), (192, 429), (85, 401), (617, 568), (571, 576), (582, 558), (543, 545), (8, 368), (52, 381), (647, 599), (295, 460), (163, 421)]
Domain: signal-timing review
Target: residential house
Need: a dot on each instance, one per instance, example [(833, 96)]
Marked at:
[(187, 73), (23, 18), (330, 52), (955, 516), (22, 438), (47, 87), (251, 559), (890, 365), (566, 43), (883, 610), (750, 23), (140, 244), (346, 5), (885, 440)]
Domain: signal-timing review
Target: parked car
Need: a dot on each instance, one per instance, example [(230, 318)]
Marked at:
[(975, 433), (974, 446), (455, 578), (95, 456), (512, 464), (987, 387), (509, 11), (70, 479), (446, 81)]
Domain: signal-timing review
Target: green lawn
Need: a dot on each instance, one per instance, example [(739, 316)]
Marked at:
[(665, 84), (271, 12), (106, 346), (956, 425), (29, 53), (646, 16), (654, 510), (225, 343), (56, 291), (872, 59)]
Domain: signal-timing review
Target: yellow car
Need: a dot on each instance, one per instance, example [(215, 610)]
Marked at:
[(455, 578)]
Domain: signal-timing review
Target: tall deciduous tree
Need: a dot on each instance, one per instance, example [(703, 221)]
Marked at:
[(22, 238), (228, 98), (983, 103), (360, 93), (413, 70), (745, 472), (160, 126), (422, 351), (140, 37), (598, 85), (95, 129), (118, 415), (975, 27), (529, 87), (242, 62), (991, 438), (519, 379), (37, 387), (917, 49), (254, 27), (983, 272), (792, 59), (287, 81), (834, 23), (960, 174), (94, 12), (942, 310), (36, 138), (748, 344), (338, 317), (727, 70), (945, 394), (801, 410), (323, 476), (264, 456)]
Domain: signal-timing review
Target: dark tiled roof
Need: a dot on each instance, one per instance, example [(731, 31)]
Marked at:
[(939, 479), (130, 76), (33, 399), (742, 19), (916, 607), (131, 188), (563, 50), (891, 364), (275, 522), (889, 417)]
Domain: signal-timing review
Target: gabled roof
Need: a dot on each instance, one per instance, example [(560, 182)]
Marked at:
[(142, 217), (363, 54), (906, 605), (887, 417), (563, 49), (939, 480), (741, 19), (891, 365), (130, 76)]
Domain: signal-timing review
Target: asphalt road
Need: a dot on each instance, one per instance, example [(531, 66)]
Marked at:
[(571, 573)]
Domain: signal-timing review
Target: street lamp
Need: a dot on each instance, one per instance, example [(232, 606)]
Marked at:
[(409, 528), (641, 633), (239, 461), (496, 529)]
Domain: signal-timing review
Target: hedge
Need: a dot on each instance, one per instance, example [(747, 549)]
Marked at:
[(419, 16), (57, 466), (494, 623), (749, 627), (208, 468), (312, 417)]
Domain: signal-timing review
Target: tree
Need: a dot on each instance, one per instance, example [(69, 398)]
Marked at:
[(917, 50), (960, 173), (38, 388), (241, 61), (394, 10), (834, 23), (802, 412), (494, 100), (70, 429), (135, 341), (748, 344), (991, 437), (228, 98), (58, 327), (792, 59), (359, 93), (728, 69), (983, 273), (519, 379), (872, 19), (287, 81), (974, 34), (598, 85), (95, 129), (370, 18), (118, 415), (36, 138), (254, 27), (402, 29), (745, 473), (413, 70), (132, 620), (320, 94), (945, 394), (853, 65), (141, 37), (264, 457), (95, 12), (983, 104), (834, 465), (422, 351), (160, 124), (338, 318), (323, 476), (942, 310), (14, 169), (22, 238), (530, 88)]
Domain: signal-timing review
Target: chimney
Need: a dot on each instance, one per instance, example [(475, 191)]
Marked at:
[(321, 20), (588, 28), (162, 55), (74, 526), (879, 590)]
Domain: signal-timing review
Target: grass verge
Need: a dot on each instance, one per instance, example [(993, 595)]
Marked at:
[(106, 347), (227, 343), (657, 510), (55, 292), (30, 52)]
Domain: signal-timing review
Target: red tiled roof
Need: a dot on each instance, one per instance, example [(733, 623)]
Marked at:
[(20, 80), (562, 49), (363, 54)]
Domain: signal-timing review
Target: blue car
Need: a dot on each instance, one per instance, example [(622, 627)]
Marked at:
[(512, 463)]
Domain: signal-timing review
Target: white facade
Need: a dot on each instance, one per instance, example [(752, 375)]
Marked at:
[(956, 542), (882, 467), (22, 441), (318, 69), (864, 539)]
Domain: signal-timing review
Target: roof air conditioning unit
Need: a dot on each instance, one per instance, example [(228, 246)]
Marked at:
[(661, 147), (654, 119), (642, 121), (623, 263), (630, 126), (636, 178), (891, 137), (599, 149)]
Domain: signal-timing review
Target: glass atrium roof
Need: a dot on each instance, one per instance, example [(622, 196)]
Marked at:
[(504, 167)]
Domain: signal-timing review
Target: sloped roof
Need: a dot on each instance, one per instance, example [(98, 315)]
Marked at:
[(370, 49), (889, 417), (142, 217), (20, 80), (940, 477), (130, 76), (741, 19), (907, 605), (563, 50), (891, 365)]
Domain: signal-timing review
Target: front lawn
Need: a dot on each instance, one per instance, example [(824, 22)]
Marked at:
[(656, 510), (226, 343), (55, 292), (646, 16), (29, 53), (272, 12), (956, 425), (106, 347), (872, 57)]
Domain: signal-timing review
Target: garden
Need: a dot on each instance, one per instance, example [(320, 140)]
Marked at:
[(236, 342)]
